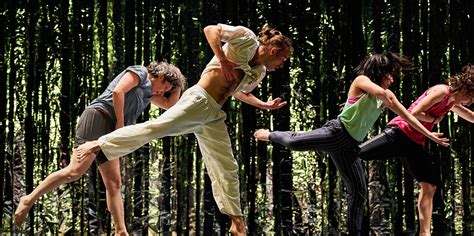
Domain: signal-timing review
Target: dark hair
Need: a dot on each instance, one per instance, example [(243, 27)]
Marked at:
[(377, 66), (171, 73), (275, 38), (463, 81)]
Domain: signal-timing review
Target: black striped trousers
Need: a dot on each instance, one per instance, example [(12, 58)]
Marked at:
[(343, 149)]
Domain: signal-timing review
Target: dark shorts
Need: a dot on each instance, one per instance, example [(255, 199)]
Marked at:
[(93, 124), (393, 143)]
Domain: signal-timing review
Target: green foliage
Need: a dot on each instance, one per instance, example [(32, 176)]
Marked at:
[(327, 48)]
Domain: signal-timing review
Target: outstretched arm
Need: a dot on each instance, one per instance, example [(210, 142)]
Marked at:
[(400, 110), (463, 112), (254, 101)]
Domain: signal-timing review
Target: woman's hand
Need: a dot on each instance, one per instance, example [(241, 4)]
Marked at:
[(436, 137)]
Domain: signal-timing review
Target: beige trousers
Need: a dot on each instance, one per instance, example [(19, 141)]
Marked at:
[(196, 112)]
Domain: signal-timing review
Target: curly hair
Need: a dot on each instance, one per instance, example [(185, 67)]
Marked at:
[(273, 37), (463, 81), (171, 73), (377, 66)]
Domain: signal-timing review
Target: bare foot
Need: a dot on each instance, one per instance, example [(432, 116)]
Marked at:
[(87, 148), (262, 134), (238, 226), (22, 211)]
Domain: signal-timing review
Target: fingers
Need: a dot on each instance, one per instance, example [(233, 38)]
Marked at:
[(80, 157), (282, 104), (443, 142), (262, 134)]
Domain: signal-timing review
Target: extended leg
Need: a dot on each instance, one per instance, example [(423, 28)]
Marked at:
[(72, 172)]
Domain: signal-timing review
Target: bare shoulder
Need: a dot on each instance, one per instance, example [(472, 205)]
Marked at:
[(439, 89)]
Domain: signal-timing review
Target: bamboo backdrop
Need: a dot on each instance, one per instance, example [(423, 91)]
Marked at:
[(58, 55)]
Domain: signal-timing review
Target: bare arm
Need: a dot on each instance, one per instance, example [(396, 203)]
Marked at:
[(128, 81), (400, 110), (166, 102), (254, 101), (213, 36), (362, 84), (463, 112)]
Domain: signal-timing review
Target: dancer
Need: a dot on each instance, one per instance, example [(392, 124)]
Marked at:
[(125, 98), (400, 139), (236, 69), (368, 95)]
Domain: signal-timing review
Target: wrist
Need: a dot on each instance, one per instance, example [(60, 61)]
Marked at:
[(434, 119)]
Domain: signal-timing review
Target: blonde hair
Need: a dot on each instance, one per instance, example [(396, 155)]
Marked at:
[(272, 37)]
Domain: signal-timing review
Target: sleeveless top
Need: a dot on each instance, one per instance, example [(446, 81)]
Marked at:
[(437, 110), (360, 116)]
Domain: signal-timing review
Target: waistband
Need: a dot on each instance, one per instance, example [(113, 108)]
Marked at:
[(103, 112), (201, 91)]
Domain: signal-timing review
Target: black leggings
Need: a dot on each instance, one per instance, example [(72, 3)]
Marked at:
[(343, 149), (393, 143)]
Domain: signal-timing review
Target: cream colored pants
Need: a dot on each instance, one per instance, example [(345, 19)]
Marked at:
[(196, 112)]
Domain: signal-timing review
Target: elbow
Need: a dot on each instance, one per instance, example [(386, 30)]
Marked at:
[(209, 29), (116, 93), (292, 145), (381, 93)]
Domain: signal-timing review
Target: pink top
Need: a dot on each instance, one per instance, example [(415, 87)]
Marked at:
[(352, 100), (437, 110)]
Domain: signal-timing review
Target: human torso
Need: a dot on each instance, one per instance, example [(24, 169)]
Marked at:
[(359, 114), (240, 47), (438, 109), (136, 100), (218, 86)]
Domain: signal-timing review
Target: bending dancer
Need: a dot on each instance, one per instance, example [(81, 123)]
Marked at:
[(368, 95), (125, 98), (235, 70), (400, 139)]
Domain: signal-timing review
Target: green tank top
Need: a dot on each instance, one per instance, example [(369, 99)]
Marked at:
[(360, 116)]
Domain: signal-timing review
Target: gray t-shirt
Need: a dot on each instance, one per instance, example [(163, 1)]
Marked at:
[(136, 100)]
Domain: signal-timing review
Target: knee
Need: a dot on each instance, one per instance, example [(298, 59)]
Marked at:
[(113, 184), (428, 189), (72, 174)]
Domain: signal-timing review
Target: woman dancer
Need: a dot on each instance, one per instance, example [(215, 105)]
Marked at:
[(368, 95), (122, 102), (401, 139)]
